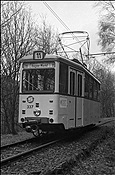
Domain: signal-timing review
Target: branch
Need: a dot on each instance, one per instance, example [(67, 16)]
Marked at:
[(112, 5), (5, 23)]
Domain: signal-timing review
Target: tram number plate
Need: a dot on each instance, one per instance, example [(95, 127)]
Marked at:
[(29, 106)]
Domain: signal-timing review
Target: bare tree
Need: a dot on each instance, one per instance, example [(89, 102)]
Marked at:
[(107, 90), (4, 22), (107, 95), (47, 37), (107, 28), (18, 37)]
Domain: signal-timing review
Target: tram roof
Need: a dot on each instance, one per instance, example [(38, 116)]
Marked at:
[(51, 57)]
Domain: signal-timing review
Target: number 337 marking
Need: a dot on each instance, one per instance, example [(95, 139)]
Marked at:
[(29, 106)]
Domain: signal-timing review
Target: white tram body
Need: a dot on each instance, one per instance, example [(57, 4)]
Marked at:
[(56, 93)]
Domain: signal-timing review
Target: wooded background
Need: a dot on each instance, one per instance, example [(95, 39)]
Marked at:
[(20, 36)]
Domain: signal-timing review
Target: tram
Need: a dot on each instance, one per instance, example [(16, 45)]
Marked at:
[(56, 94)]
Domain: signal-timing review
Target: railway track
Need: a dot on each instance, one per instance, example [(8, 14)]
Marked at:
[(17, 143), (25, 153), (30, 140), (34, 138), (15, 157), (37, 148), (79, 163)]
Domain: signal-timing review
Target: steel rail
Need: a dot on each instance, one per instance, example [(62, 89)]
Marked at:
[(16, 143), (15, 157)]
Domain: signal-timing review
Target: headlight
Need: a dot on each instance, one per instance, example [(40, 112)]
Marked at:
[(37, 112), (51, 120), (22, 119)]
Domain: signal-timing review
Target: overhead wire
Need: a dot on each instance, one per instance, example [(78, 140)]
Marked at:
[(54, 13), (62, 22), (75, 43), (59, 19), (102, 53)]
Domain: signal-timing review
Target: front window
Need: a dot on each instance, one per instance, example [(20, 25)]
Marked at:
[(38, 80)]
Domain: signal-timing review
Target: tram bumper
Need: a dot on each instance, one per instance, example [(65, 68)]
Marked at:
[(33, 124), (37, 119)]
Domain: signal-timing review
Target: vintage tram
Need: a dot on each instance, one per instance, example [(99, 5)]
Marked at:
[(56, 94)]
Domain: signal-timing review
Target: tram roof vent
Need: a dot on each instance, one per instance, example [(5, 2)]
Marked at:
[(76, 60)]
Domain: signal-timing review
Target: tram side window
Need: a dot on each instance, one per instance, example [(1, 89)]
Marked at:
[(90, 88), (95, 90), (98, 89), (63, 78), (86, 86), (72, 83), (79, 85)]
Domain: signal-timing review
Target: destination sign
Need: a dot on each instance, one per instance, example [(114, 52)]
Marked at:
[(38, 65)]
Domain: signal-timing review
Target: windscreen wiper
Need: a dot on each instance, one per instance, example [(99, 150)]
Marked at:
[(31, 84)]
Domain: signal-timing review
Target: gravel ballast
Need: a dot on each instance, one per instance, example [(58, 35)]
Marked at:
[(9, 138), (92, 154), (96, 159)]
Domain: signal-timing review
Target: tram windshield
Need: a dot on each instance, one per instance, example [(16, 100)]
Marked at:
[(38, 80)]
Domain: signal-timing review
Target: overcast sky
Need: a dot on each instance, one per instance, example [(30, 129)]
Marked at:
[(77, 15)]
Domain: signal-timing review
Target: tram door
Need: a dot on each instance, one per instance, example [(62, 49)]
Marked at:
[(71, 98), (79, 101)]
